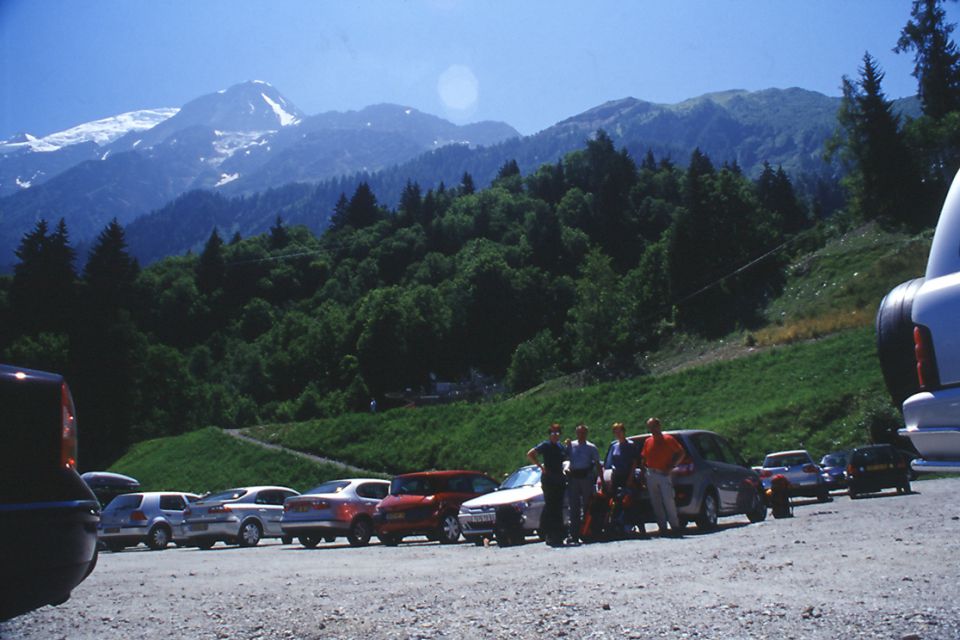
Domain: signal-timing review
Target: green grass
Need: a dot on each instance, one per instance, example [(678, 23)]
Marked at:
[(209, 460), (819, 395)]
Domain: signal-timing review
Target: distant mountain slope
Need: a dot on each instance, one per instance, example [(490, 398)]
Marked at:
[(245, 139)]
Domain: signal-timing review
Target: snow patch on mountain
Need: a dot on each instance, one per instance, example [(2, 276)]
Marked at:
[(230, 142), (226, 178), (102, 131), (285, 117)]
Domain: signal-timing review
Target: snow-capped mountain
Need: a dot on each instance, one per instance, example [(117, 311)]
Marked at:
[(101, 132), (242, 139)]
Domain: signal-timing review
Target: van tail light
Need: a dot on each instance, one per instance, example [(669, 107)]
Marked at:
[(138, 516), (927, 374), (220, 508), (68, 429), (810, 468)]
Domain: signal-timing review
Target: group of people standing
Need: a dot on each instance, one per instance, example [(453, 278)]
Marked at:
[(580, 479)]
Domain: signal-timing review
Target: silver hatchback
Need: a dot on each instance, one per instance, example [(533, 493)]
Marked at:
[(154, 518), (241, 516)]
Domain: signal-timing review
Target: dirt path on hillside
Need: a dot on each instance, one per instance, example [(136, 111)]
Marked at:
[(349, 468)]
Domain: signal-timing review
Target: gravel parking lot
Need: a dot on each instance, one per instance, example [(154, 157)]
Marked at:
[(883, 567)]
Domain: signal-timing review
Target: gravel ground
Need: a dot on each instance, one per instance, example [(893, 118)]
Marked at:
[(882, 567)]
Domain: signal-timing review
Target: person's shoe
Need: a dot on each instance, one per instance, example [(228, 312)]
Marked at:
[(572, 540)]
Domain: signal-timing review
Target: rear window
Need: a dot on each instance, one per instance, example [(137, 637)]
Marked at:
[(225, 496), (792, 460), (414, 486), (335, 486), (126, 502), (872, 455), (172, 503)]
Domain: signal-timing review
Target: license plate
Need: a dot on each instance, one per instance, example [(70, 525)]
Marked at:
[(397, 515), (484, 519), (198, 527), (112, 530), (300, 508)]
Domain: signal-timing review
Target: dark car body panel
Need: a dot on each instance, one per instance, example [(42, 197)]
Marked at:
[(48, 515)]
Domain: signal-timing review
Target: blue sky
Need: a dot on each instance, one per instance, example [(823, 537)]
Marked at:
[(529, 63)]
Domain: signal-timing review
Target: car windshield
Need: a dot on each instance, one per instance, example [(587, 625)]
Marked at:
[(335, 486), (525, 477), (125, 502), (834, 460), (792, 460), (415, 486), (225, 496)]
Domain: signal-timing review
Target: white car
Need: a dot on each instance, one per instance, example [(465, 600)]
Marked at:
[(918, 338), (241, 516), (519, 495)]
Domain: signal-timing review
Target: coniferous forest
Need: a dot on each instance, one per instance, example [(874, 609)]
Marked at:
[(582, 265)]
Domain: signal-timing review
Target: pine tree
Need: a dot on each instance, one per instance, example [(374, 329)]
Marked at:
[(211, 269), (936, 59), (279, 237), (881, 179), (466, 184), (43, 290), (110, 272)]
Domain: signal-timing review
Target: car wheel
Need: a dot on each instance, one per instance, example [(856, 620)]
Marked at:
[(707, 520), (115, 547), (158, 538), (758, 510), (360, 532), (449, 531), (388, 540), (329, 539), (895, 346), (206, 544), (309, 541), (250, 533)]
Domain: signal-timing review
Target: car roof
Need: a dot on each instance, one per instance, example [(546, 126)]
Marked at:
[(257, 488), (792, 452), (439, 474)]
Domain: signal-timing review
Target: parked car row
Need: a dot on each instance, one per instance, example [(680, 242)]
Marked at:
[(866, 469)]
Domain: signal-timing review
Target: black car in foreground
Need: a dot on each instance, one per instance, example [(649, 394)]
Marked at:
[(876, 467), (48, 515)]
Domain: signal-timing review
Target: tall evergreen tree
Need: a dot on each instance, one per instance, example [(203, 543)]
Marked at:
[(466, 184), (44, 283), (211, 266), (279, 236), (936, 59), (881, 179), (110, 272)]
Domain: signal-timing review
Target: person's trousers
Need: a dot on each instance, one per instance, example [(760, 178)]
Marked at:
[(551, 520), (579, 492), (660, 487)]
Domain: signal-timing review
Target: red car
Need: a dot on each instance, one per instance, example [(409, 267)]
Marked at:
[(427, 503)]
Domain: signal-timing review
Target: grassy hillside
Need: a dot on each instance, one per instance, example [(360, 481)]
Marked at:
[(820, 395), (208, 460)]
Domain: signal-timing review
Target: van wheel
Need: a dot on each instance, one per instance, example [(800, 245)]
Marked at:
[(894, 325)]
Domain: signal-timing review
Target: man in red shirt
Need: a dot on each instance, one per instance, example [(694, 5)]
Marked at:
[(661, 452)]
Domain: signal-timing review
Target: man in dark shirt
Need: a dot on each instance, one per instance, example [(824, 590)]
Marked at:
[(552, 482)]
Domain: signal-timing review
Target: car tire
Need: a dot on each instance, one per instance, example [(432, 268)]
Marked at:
[(309, 541), (707, 519), (206, 544), (449, 531), (360, 532), (758, 510), (329, 539), (895, 348), (250, 534), (158, 537)]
